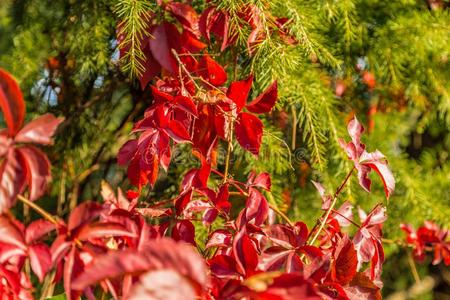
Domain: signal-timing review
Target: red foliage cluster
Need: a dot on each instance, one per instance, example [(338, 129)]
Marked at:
[(429, 238), (116, 246)]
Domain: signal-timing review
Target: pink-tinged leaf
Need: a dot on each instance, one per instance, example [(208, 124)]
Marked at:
[(266, 286), (261, 180), (238, 92), (103, 230), (212, 71), (266, 101), (344, 262), (160, 254), (376, 161), (10, 233), (186, 15), (37, 170), (355, 130), (40, 130), (38, 229), (361, 287), (59, 248), (154, 212), (12, 179), (84, 213), (178, 132), (161, 48), (151, 69), (244, 251), (40, 260), (5, 142), (249, 132), (163, 285), (11, 102), (127, 152), (219, 238), (257, 207), (184, 231), (191, 44), (160, 96), (186, 104), (223, 266)]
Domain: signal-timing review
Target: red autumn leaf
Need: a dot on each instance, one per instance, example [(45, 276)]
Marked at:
[(184, 231), (40, 260), (11, 102), (11, 234), (12, 179), (102, 230), (261, 180), (161, 48), (212, 71), (257, 207), (266, 286), (39, 131), (37, 170), (265, 101), (245, 254), (366, 161), (126, 152), (186, 104), (161, 254), (38, 229), (219, 238), (186, 15), (361, 287), (239, 91), (216, 22), (249, 132), (344, 263), (178, 132)]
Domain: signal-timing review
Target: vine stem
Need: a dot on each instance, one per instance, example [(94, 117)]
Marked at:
[(412, 265), (38, 209), (330, 209)]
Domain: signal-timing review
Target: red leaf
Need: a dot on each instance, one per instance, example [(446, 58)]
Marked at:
[(219, 238), (161, 254), (186, 104), (38, 229), (84, 213), (377, 162), (249, 132), (40, 260), (261, 180), (186, 15), (126, 152), (266, 101), (184, 230), (223, 266), (11, 102), (103, 230), (10, 233), (40, 130), (161, 48), (362, 288), (238, 92), (343, 266), (178, 132), (212, 71), (37, 170), (12, 179), (244, 251), (256, 207)]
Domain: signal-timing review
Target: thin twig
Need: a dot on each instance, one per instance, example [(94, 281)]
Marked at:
[(328, 212), (412, 265), (38, 209)]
